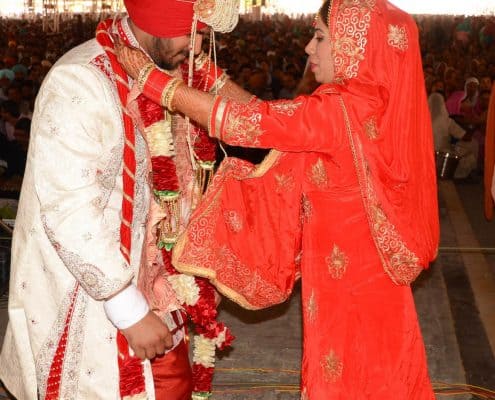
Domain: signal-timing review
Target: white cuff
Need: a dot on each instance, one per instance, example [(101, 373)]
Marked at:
[(126, 308)]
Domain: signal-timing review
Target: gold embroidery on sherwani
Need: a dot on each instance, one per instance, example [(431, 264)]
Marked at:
[(397, 37), (105, 178), (285, 183), (312, 307), (350, 36), (337, 262), (285, 107), (318, 174), (243, 124), (89, 275), (233, 220), (371, 128), (332, 367), (76, 300)]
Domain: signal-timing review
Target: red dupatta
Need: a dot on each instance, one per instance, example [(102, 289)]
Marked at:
[(378, 66)]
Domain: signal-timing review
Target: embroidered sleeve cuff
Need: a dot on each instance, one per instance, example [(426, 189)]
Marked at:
[(126, 308)]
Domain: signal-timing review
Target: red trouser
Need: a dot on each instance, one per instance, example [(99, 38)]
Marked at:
[(172, 374)]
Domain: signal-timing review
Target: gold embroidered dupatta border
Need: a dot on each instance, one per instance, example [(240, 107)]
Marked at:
[(400, 263)]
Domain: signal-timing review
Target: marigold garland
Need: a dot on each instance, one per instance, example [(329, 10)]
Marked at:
[(197, 295)]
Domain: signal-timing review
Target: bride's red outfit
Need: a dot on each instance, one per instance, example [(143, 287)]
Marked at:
[(348, 200)]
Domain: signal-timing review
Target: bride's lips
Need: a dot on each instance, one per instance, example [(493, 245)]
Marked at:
[(312, 66)]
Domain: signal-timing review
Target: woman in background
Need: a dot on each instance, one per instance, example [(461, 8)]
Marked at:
[(445, 129)]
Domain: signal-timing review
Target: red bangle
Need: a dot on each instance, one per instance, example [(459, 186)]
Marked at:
[(155, 85), (216, 118)]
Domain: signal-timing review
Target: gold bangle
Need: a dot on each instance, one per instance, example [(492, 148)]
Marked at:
[(219, 83), (144, 74), (169, 92), (171, 95), (210, 114)]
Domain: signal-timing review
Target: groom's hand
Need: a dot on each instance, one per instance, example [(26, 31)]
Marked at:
[(149, 337)]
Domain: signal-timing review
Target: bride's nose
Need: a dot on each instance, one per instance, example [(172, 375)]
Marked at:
[(310, 48)]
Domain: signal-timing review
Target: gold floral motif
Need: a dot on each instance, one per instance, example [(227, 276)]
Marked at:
[(337, 262), (254, 287), (312, 307), (285, 107), (318, 174), (397, 37), (350, 36), (332, 367), (307, 209), (243, 124), (371, 128), (285, 183), (233, 220)]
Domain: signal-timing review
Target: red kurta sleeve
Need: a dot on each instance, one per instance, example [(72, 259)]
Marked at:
[(307, 123), (245, 235)]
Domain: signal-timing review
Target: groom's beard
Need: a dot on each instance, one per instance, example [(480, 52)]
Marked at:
[(169, 61)]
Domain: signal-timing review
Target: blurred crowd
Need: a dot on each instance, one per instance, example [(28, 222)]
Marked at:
[(26, 55), (267, 58)]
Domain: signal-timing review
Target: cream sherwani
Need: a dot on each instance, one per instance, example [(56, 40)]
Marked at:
[(65, 252)]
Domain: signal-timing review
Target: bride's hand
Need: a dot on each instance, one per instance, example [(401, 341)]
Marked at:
[(131, 59)]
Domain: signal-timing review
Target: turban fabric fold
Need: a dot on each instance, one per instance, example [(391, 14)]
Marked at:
[(162, 18)]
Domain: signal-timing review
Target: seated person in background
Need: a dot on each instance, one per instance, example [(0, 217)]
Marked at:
[(21, 133), (9, 113), (288, 86), (445, 129), (3, 161), (438, 86), (14, 152), (464, 102)]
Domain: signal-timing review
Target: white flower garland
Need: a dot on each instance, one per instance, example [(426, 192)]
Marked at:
[(185, 288)]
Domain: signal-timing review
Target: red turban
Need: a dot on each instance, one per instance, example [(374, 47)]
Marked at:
[(162, 18)]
